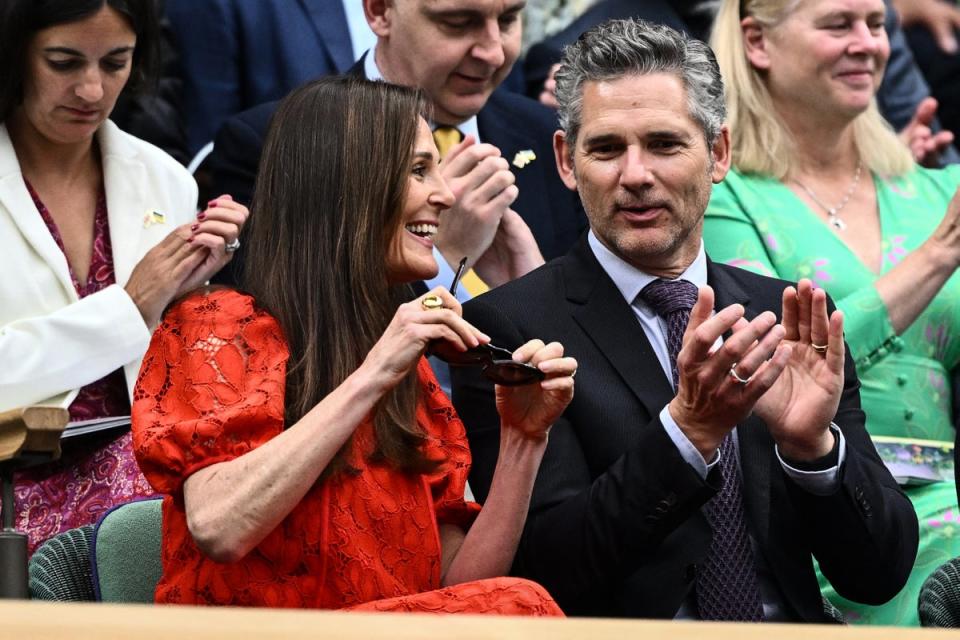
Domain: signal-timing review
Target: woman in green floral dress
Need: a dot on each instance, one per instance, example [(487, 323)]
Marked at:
[(823, 189)]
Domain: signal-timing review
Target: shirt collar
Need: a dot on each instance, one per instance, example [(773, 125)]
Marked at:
[(372, 71), (630, 281)]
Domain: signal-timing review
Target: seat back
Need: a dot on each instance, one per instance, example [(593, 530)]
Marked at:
[(125, 552), (939, 601), (60, 567)]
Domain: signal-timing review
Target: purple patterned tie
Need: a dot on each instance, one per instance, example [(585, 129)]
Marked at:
[(672, 300), (727, 587)]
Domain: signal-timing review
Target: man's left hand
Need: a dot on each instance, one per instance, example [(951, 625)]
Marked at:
[(801, 404), (513, 252)]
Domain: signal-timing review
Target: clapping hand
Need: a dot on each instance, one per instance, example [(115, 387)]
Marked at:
[(533, 408), (483, 185), (801, 403), (925, 145), (718, 388)]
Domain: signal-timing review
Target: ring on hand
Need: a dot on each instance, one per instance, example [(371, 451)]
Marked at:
[(819, 348), (735, 376), (431, 302), (574, 374), (230, 247)]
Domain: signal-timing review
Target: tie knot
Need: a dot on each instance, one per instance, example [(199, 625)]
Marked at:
[(446, 137), (668, 296)]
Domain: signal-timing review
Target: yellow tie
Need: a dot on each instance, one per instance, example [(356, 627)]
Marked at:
[(446, 137), (473, 284)]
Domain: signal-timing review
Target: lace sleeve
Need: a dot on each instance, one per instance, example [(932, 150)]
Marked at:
[(447, 441), (210, 389)]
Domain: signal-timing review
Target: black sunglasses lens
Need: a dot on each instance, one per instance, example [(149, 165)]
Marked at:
[(471, 357), (510, 373)]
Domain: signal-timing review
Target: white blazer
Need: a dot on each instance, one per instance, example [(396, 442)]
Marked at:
[(51, 342)]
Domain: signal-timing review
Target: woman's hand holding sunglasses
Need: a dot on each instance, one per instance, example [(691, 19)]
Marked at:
[(434, 318), (533, 408)]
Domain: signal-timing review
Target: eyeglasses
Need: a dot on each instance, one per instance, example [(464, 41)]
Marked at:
[(498, 363)]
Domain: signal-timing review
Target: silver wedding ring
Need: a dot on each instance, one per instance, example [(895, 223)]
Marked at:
[(736, 376), (819, 348), (230, 247)]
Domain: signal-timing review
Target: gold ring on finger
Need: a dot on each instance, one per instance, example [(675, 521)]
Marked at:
[(819, 348), (431, 302), (736, 376)]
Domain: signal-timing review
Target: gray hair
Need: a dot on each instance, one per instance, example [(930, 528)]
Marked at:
[(618, 48)]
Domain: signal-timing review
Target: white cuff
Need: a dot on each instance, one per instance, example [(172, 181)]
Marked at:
[(687, 451), (825, 481)]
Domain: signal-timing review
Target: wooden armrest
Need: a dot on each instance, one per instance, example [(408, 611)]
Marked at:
[(34, 429)]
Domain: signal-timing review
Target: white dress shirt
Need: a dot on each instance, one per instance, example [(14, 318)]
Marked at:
[(362, 37)]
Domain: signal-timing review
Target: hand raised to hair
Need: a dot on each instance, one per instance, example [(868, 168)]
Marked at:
[(217, 226), (189, 256), (801, 403)]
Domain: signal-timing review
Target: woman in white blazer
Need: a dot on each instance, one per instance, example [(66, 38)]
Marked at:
[(99, 233)]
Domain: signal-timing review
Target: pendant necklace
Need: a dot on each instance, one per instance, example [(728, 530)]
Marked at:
[(833, 216)]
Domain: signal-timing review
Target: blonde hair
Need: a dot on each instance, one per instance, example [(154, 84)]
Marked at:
[(761, 142)]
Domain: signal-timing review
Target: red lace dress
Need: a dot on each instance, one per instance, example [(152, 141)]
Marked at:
[(94, 473), (210, 390)]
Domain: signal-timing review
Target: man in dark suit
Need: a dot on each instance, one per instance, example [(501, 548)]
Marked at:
[(707, 457), (235, 55), (511, 205)]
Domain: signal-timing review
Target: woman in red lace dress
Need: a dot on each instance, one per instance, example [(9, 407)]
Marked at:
[(309, 456), (99, 232)]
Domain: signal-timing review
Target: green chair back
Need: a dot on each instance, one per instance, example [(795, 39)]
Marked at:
[(126, 552), (60, 567)]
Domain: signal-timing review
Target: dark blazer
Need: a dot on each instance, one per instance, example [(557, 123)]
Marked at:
[(615, 527), (236, 54), (544, 54), (509, 121)]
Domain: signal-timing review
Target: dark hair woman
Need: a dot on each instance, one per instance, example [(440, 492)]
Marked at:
[(99, 235), (310, 458)]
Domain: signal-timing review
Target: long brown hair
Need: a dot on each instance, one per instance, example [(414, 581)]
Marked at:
[(327, 204)]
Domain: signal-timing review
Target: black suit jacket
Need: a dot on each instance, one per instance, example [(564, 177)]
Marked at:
[(615, 527), (509, 121)]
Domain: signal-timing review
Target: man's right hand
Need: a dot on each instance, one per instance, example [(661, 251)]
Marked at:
[(483, 186), (710, 402)]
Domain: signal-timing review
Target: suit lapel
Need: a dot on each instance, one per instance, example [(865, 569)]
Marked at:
[(752, 436), (20, 207), (330, 21), (496, 127), (125, 179), (599, 308)]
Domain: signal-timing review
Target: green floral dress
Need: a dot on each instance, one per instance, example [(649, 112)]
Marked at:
[(757, 223)]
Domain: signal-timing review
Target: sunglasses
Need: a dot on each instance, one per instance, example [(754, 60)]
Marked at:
[(497, 363)]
